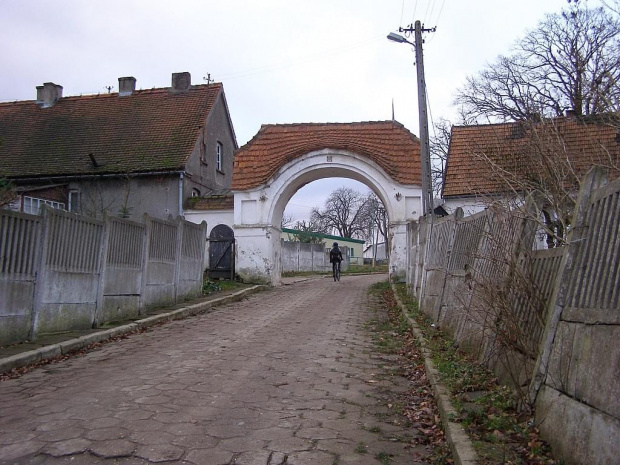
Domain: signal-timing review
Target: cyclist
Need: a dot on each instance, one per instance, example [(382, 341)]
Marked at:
[(335, 257)]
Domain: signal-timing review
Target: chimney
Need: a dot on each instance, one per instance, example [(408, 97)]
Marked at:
[(570, 113), (126, 86), (48, 94), (181, 82)]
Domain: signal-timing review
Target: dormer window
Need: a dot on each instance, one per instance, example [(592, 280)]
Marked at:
[(219, 154)]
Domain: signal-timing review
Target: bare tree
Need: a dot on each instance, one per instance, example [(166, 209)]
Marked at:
[(546, 161), (287, 221), (7, 192), (439, 145), (344, 212), (308, 233), (378, 222), (571, 61)]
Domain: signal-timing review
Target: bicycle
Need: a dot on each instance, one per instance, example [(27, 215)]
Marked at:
[(336, 270)]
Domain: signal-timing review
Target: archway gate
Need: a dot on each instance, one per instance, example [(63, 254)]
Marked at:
[(281, 159)]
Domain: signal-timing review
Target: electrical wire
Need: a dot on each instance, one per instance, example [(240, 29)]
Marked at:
[(428, 15), (440, 11), (319, 56)]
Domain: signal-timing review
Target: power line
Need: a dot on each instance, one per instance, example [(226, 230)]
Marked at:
[(440, 11), (319, 56)]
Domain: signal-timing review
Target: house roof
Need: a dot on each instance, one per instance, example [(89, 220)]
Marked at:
[(478, 155), (323, 236), (212, 202), (148, 131), (387, 143)]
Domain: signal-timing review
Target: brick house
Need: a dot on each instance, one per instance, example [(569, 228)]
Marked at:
[(125, 154)]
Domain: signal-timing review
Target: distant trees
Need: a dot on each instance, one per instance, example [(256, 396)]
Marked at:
[(345, 212), (308, 232), (349, 213), (571, 61)]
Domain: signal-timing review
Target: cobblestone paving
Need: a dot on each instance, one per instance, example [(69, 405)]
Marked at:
[(289, 375)]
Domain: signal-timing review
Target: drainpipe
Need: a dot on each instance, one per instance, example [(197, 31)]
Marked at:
[(181, 193)]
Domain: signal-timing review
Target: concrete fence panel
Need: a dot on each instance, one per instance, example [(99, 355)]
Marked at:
[(69, 271), (160, 270), (20, 236), (124, 257), (302, 256), (191, 259), (576, 384)]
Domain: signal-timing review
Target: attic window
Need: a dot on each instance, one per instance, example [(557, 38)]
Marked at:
[(219, 154)]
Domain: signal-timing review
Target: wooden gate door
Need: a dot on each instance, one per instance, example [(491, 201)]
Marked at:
[(222, 252)]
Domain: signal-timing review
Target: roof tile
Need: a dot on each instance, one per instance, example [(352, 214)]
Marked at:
[(478, 153), (150, 130), (387, 143)]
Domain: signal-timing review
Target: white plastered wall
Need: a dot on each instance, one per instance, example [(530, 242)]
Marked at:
[(258, 212)]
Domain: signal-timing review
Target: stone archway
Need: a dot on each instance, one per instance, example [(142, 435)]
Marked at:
[(281, 159)]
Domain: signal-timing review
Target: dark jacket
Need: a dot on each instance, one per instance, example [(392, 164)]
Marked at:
[(335, 254)]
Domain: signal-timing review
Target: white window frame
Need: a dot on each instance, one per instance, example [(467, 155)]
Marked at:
[(219, 155), (74, 201), (32, 205)]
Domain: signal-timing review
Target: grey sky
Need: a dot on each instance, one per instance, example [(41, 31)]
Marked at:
[(281, 61)]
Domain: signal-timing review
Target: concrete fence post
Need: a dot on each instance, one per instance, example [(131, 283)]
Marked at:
[(423, 241), (41, 274), (148, 226), (103, 264), (42, 270), (177, 263)]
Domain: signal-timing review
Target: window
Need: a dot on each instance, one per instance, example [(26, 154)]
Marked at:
[(219, 153), (74, 201), (33, 204)]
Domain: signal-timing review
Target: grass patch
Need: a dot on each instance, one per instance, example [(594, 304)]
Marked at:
[(211, 286), (487, 410), (295, 274), (361, 448), (384, 458), (367, 269)]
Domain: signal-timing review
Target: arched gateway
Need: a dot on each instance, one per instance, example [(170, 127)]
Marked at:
[(281, 159)]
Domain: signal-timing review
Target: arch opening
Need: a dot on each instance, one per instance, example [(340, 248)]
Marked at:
[(258, 212)]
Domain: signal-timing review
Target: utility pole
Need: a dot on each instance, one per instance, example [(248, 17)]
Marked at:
[(427, 187)]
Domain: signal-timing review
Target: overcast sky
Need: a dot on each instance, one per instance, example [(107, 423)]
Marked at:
[(281, 61)]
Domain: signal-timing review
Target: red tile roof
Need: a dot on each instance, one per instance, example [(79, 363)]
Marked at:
[(477, 154), (148, 131), (213, 202), (387, 143)]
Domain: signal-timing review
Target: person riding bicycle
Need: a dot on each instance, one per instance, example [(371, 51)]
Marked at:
[(335, 255)]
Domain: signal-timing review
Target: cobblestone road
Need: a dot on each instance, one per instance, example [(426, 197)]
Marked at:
[(286, 376)]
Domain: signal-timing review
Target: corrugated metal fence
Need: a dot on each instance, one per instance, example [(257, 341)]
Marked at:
[(60, 271)]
